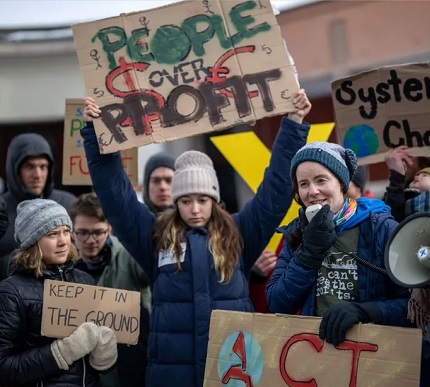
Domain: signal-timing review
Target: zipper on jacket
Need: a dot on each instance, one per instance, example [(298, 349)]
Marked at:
[(60, 270), (85, 372)]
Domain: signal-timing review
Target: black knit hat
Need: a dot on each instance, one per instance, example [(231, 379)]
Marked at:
[(338, 160), (160, 159), (360, 177)]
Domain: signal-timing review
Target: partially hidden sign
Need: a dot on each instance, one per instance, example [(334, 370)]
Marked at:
[(75, 168), (66, 305), (253, 349), (383, 108), (185, 69)]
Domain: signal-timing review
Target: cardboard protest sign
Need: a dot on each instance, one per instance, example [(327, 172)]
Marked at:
[(185, 69), (383, 108), (66, 305), (75, 168), (253, 349)]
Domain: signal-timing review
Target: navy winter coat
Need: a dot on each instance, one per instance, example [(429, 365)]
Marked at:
[(292, 286), (183, 301)]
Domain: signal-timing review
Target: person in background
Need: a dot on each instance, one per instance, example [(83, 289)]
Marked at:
[(157, 182), (4, 218), (260, 275), (29, 175), (42, 229), (402, 168), (357, 184), (333, 265), (101, 255), (415, 200), (421, 202), (199, 256)]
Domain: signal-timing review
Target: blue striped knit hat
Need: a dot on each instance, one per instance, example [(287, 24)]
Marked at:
[(339, 161)]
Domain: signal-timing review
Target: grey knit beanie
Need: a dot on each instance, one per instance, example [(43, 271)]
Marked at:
[(338, 160), (194, 174), (35, 218)]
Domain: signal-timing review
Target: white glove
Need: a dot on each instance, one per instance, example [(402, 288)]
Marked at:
[(105, 353), (79, 344)]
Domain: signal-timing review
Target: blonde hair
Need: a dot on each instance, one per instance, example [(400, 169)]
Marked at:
[(225, 242), (31, 258)]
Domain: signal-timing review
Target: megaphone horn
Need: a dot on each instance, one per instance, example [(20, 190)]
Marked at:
[(407, 254)]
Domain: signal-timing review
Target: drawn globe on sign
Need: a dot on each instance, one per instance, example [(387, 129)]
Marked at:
[(240, 354), (362, 139)]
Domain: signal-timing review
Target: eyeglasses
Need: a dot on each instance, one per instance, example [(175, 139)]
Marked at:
[(83, 235)]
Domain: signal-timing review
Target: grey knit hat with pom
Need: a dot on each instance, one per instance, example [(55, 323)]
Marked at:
[(194, 174), (37, 217), (338, 160)]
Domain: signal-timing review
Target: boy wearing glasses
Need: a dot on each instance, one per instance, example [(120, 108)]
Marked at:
[(101, 255)]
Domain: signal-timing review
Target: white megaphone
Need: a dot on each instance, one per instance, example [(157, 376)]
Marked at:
[(407, 254)]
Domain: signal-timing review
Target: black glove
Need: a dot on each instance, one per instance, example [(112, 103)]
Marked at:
[(4, 220), (318, 236), (342, 316)]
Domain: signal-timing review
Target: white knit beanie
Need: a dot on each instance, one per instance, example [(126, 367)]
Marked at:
[(35, 218), (194, 174)]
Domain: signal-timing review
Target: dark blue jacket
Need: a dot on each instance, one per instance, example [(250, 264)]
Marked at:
[(292, 286), (183, 301)]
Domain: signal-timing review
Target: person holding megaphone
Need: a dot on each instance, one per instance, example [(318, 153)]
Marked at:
[(332, 264)]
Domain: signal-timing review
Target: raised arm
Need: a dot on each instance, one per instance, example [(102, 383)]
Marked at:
[(397, 161), (131, 220), (264, 212)]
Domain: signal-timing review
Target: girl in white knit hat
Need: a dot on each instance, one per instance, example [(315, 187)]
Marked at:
[(198, 255), (42, 229)]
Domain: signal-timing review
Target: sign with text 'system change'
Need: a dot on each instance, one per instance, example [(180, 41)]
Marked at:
[(66, 305), (189, 68), (75, 168), (383, 108)]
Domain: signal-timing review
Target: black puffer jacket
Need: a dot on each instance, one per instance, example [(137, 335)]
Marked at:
[(25, 355)]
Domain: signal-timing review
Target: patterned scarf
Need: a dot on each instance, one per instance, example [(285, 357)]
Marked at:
[(348, 210), (418, 204)]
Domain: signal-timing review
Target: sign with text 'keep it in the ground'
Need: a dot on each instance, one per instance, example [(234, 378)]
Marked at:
[(383, 108), (66, 305), (185, 69)]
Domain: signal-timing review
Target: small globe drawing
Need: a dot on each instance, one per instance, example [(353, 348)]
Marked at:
[(362, 139)]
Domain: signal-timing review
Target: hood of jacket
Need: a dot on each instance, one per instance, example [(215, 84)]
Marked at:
[(23, 146)]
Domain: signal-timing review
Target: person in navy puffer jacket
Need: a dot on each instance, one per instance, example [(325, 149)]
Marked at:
[(199, 256), (332, 265)]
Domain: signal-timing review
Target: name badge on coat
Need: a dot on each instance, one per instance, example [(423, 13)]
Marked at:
[(167, 257)]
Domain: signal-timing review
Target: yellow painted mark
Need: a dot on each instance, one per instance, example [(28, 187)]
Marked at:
[(249, 157)]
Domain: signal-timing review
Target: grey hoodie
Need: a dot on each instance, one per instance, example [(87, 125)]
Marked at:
[(21, 147)]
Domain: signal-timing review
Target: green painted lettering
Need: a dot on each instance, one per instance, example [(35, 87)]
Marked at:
[(76, 124), (138, 51), (242, 22), (220, 31), (113, 39), (198, 37)]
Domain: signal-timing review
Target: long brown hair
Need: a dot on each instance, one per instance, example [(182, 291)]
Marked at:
[(225, 242), (31, 258)]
